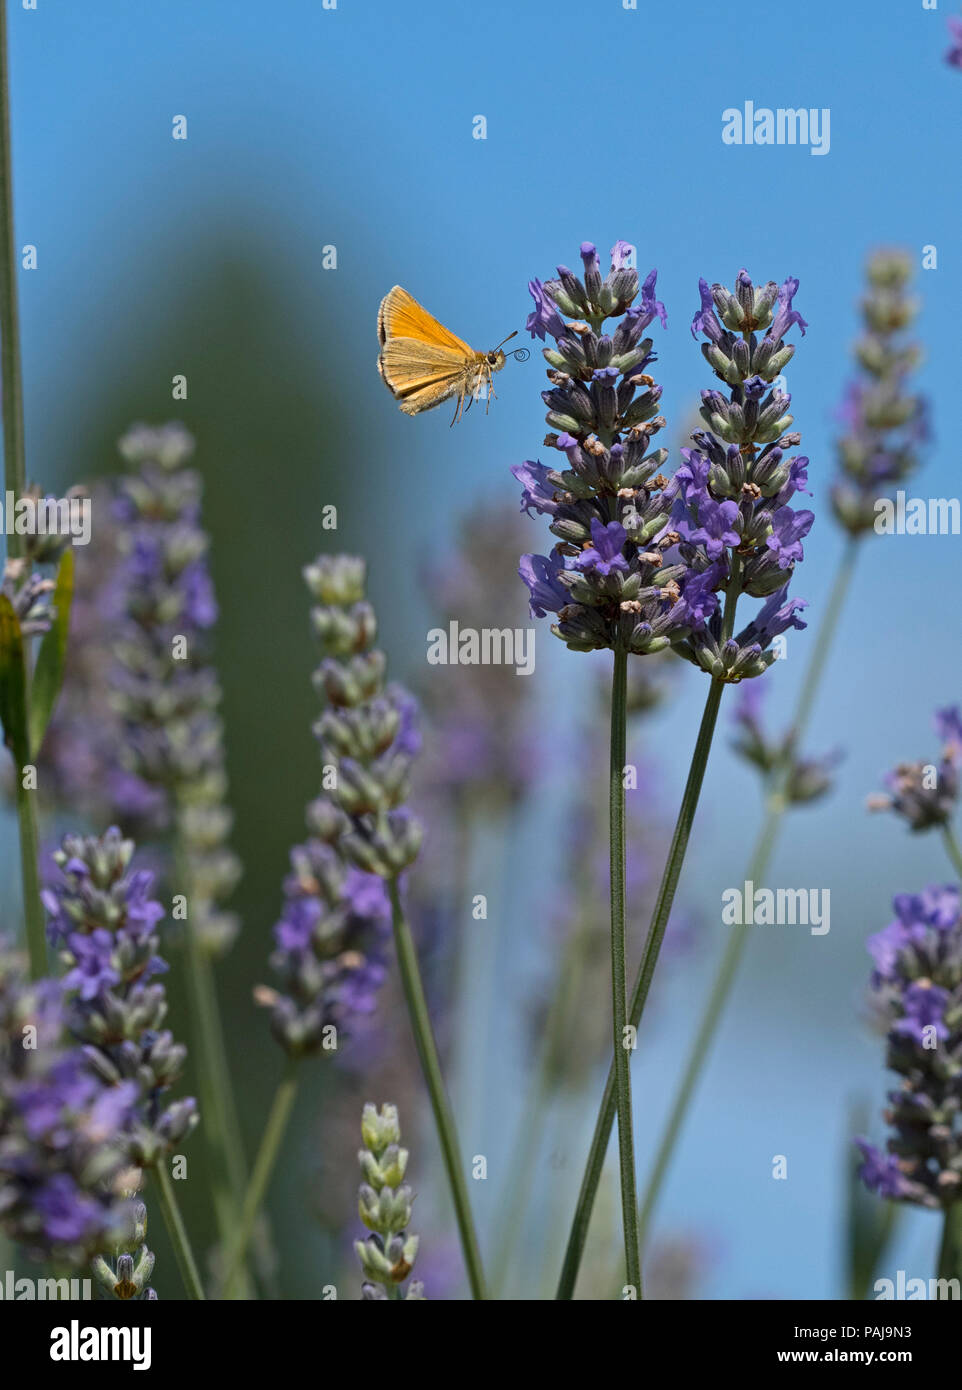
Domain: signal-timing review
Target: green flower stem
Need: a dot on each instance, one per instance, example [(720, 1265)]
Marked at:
[(34, 920), (431, 1067), (274, 1131), (177, 1232), (950, 1249), (952, 848), (824, 640), (775, 807), (534, 1112), (707, 1026), (619, 987), (14, 472), (599, 1143), (656, 931), (212, 1072), (14, 464)]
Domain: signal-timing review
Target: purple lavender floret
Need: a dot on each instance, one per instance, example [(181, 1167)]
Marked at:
[(954, 54), (63, 1129), (331, 949), (104, 922), (916, 991)]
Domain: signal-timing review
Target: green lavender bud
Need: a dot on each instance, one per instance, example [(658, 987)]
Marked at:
[(384, 1205)]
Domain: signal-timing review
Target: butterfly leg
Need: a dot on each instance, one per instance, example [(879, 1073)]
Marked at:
[(459, 407)]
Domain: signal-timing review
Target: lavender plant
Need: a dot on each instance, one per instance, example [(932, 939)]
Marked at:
[(104, 922), (331, 936), (165, 695), (884, 427), (917, 991), (385, 1203), (884, 421), (642, 559), (63, 1128)]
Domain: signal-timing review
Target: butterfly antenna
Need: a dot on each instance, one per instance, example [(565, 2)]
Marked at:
[(505, 340)]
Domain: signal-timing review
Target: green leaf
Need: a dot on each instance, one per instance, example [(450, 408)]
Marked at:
[(52, 656), (13, 684)]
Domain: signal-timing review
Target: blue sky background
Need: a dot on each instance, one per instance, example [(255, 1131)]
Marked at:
[(353, 127)]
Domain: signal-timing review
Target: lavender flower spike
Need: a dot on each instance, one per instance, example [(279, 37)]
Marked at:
[(331, 940), (164, 687), (924, 794), (731, 515), (917, 991), (63, 1129), (607, 502), (385, 1202), (368, 734), (104, 922), (884, 422)]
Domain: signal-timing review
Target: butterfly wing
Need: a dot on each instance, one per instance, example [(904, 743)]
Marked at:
[(401, 316), (421, 375)]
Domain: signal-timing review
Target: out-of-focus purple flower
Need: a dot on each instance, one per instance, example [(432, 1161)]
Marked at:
[(880, 1172), (884, 422), (924, 794), (29, 593), (331, 939), (63, 1129), (954, 54), (163, 686), (917, 992), (805, 779)]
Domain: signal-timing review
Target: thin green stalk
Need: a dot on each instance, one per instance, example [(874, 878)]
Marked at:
[(619, 986), (950, 1249), (14, 455), (30, 874), (775, 807), (824, 639), (213, 1076), (14, 472), (656, 933), (952, 848), (708, 1023), (431, 1067), (521, 1169), (178, 1233), (274, 1132)]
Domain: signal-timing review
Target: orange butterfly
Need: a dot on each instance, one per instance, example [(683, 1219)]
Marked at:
[(423, 363)]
